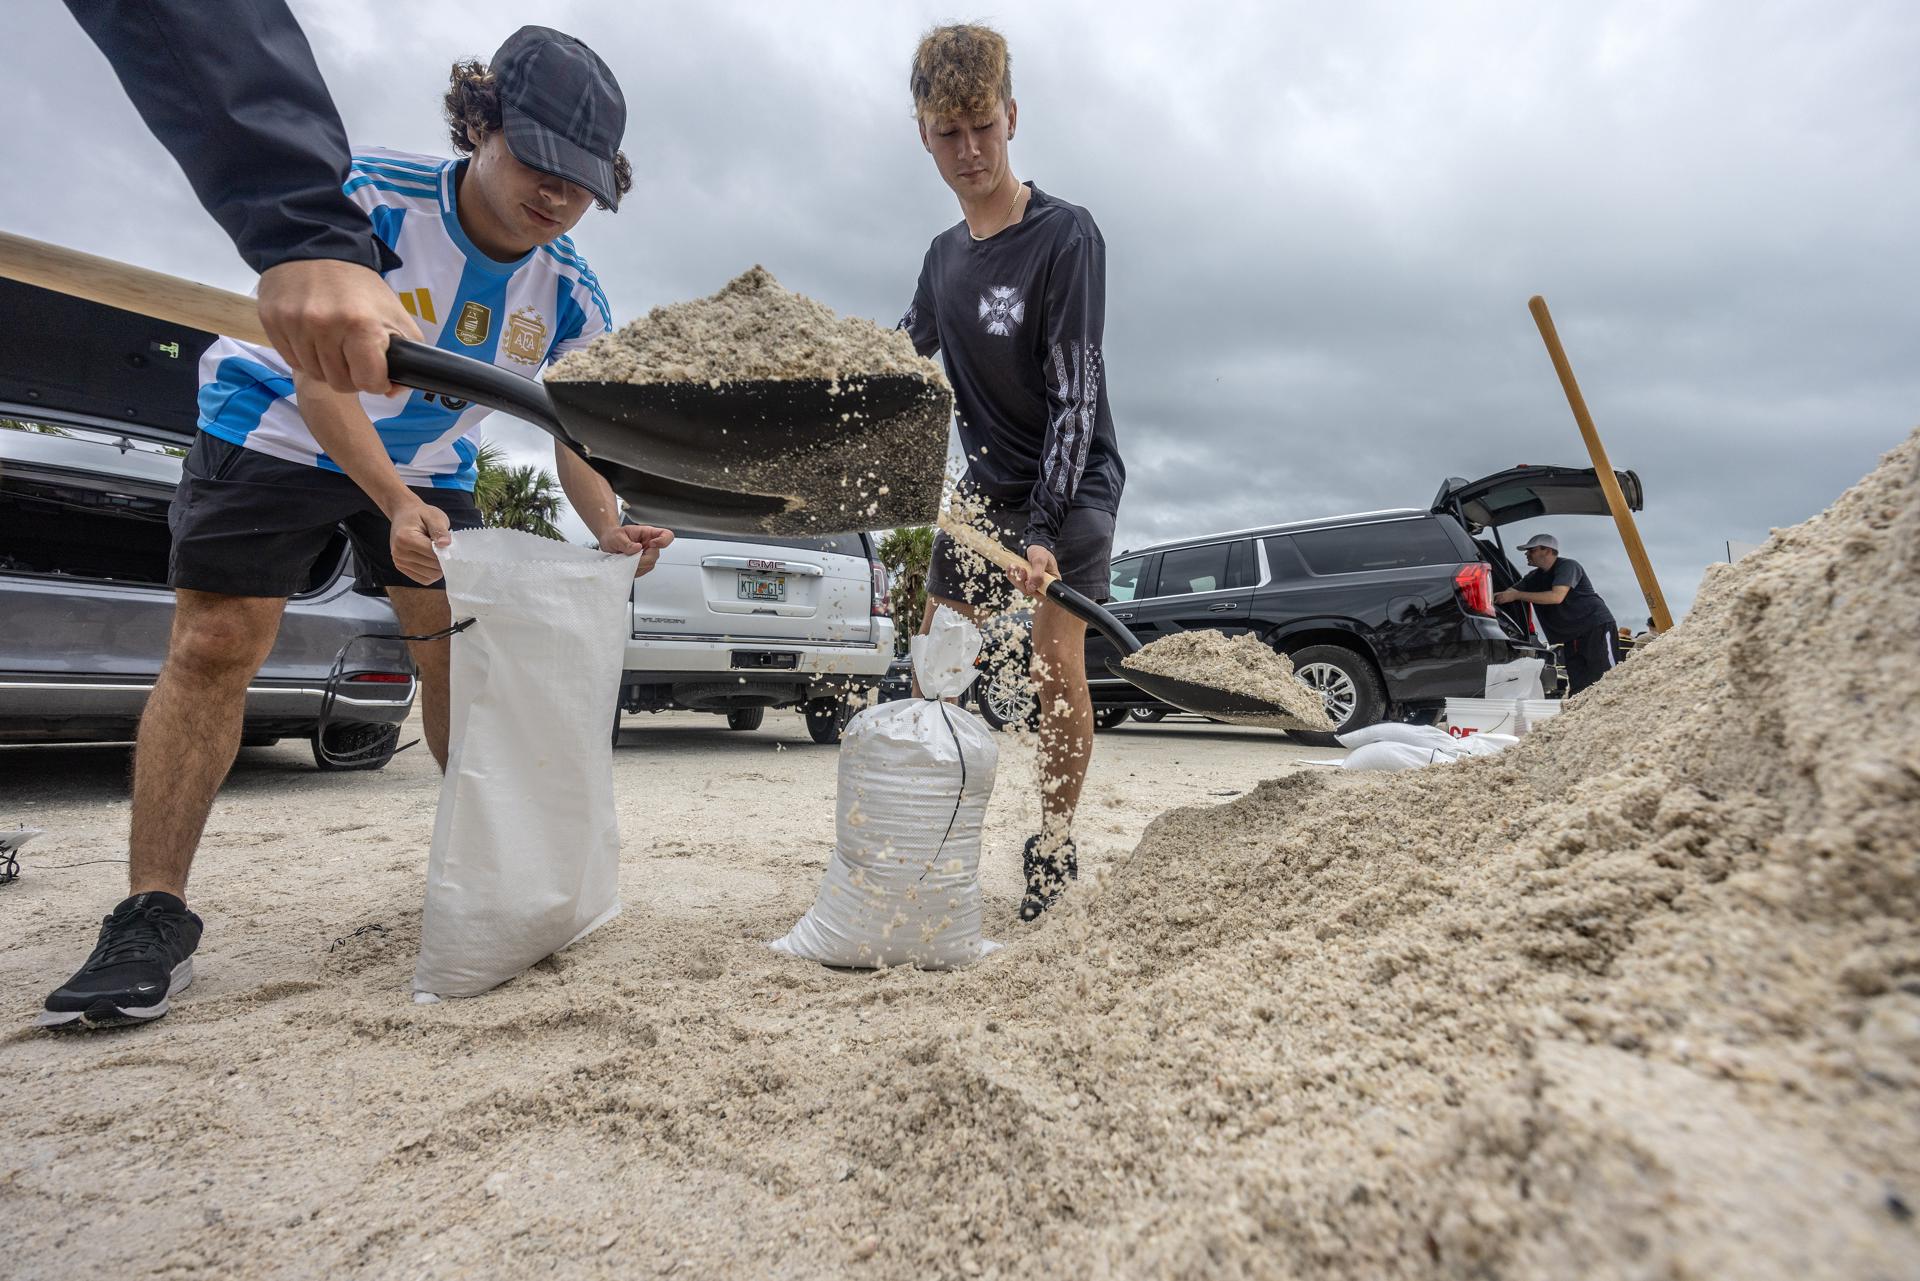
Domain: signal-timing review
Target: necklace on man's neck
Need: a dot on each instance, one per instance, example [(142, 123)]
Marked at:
[(1018, 187)]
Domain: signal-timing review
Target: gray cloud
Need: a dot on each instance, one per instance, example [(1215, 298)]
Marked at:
[(1322, 226)]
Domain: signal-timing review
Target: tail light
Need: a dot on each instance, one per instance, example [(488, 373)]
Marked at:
[(379, 678), (882, 603), (1475, 584)]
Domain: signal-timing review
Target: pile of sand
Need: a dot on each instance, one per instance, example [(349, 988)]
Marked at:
[(752, 329), (1243, 665), (1639, 997)]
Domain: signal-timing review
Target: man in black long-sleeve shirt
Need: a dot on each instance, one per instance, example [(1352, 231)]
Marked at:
[(230, 88), (1014, 298)]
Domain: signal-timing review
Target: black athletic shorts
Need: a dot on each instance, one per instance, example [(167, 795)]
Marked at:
[(1084, 548), (246, 524)]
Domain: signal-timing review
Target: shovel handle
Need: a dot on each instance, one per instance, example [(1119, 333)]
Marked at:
[(1087, 611), (975, 541), (217, 311), (130, 288)]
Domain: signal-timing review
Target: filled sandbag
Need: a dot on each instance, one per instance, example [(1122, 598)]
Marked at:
[(902, 886)]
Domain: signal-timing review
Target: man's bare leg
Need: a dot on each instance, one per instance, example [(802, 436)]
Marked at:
[(1066, 717), (423, 611), (190, 731)]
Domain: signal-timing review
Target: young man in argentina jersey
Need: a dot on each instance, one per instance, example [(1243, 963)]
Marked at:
[(282, 460), (1013, 297)]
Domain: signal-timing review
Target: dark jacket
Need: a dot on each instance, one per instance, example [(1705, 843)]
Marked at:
[(231, 89)]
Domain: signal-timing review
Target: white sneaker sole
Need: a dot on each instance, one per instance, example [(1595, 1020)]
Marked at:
[(107, 1014)]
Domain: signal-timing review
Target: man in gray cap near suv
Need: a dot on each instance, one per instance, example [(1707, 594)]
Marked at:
[(1574, 616)]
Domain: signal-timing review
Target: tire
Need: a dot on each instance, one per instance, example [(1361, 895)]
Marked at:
[(1109, 717), (370, 746), (1004, 699), (616, 724), (1354, 695), (1149, 715), (746, 717), (826, 717)]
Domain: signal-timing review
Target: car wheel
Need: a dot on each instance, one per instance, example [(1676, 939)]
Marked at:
[(1349, 685), (746, 717), (826, 717), (355, 747), (1149, 715), (1109, 717), (1005, 699)]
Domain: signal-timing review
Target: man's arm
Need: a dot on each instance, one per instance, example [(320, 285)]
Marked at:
[(348, 437), (231, 89), (1552, 596), (1075, 320), (1558, 582), (593, 500)]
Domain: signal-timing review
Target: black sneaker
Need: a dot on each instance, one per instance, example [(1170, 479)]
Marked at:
[(1047, 876), (144, 957)]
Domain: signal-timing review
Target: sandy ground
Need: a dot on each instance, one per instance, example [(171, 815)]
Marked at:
[(296, 1115)]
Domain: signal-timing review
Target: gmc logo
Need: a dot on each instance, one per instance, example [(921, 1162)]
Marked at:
[(764, 564)]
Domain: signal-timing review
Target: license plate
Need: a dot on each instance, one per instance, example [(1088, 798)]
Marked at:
[(763, 587)]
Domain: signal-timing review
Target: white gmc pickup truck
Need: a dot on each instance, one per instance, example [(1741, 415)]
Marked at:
[(735, 627)]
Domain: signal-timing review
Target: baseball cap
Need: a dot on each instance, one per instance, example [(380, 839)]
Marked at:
[(562, 109), (1547, 541)]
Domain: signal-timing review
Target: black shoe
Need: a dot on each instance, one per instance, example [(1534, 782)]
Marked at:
[(145, 956), (1047, 876)]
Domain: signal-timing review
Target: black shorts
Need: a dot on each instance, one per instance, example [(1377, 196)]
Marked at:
[(246, 524), (1084, 548)]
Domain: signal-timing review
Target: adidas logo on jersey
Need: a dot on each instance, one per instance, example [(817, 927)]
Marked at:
[(419, 304)]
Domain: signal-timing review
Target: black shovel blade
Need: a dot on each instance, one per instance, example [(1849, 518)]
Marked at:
[(775, 457), (1207, 700)]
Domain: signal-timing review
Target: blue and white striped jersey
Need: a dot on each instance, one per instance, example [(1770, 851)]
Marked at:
[(516, 315)]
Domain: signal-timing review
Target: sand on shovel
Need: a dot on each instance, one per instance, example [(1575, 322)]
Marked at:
[(752, 329), (1243, 665), (836, 457)]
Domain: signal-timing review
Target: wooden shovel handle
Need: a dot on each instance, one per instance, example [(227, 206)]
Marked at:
[(975, 541), (135, 289)]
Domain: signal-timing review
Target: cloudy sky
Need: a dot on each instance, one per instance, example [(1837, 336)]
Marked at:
[(1323, 221)]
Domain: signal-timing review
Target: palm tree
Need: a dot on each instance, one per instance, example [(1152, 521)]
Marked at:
[(524, 498), (907, 553)]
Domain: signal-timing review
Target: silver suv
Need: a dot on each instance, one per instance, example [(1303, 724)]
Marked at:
[(85, 611), (733, 627)]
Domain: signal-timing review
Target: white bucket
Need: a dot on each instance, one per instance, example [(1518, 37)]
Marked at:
[(1466, 716), (1535, 710)]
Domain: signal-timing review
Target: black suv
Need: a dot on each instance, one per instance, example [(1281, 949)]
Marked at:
[(1389, 613)]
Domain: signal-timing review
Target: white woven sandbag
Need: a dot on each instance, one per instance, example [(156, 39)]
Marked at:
[(526, 851), (902, 886)]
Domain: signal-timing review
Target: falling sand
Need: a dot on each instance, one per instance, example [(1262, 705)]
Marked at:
[(1637, 998)]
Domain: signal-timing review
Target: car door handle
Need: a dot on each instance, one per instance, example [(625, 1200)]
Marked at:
[(1222, 607), (1129, 614)]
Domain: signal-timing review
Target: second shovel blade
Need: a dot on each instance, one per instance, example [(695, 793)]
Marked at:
[(1207, 700)]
